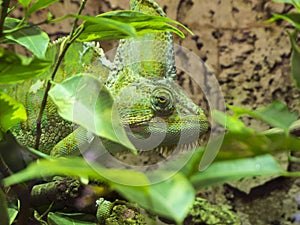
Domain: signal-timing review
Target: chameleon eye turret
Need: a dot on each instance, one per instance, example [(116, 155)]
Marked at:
[(162, 101)]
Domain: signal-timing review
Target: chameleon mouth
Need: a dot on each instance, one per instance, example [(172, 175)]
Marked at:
[(165, 137), (166, 151), (165, 143)]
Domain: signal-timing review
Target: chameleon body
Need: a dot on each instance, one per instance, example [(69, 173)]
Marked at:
[(142, 84)]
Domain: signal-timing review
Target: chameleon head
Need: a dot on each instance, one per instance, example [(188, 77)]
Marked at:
[(158, 115)]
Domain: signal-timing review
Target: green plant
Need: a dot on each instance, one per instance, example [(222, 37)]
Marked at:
[(294, 19)]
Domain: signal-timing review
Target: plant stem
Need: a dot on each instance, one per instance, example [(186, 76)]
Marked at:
[(73, 35), (76, 19), (3, 13)]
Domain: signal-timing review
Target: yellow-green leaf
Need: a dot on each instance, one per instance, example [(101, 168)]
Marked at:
[(83, 99), (11, 112)]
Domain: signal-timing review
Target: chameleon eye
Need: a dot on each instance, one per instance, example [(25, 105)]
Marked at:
[(162, 101)]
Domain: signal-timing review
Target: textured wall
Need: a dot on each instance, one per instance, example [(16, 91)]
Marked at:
[(249, 57)]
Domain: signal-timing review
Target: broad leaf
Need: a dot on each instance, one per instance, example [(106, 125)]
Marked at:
[(172, 198), (84, 100), (33, 38), (39, 4), (295, 59), (16, 68), (134, 17), (122, 24), (275, 114), (238, 145), (24, 3), (11, 112), (78, 167), (110, 29), (58, 219), (231, 123), (221, 172)]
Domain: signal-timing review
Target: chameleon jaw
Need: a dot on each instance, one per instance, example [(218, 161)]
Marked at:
[(166, 136), (165, 145), (166, 151)]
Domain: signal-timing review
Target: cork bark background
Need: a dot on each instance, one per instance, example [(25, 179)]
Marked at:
[(250, 59)]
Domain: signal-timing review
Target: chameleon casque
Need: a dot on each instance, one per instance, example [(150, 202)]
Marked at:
[(141, 82)]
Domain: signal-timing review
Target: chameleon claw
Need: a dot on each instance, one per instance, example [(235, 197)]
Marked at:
[(103, 210)]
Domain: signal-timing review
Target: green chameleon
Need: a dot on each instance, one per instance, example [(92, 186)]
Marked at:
[(141, 82)]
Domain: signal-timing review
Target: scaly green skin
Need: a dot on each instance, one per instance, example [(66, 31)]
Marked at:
[(30, 93), (142, 85), (204, 212)]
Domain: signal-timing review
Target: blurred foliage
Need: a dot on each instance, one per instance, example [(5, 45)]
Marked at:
[(292, 18)]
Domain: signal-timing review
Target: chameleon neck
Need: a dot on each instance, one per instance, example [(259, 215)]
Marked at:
[(147, 6), (149, 56)]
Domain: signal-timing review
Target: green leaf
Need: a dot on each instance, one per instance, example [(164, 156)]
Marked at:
[(292, 18), (232, 124), (84, 100), (33, 38), (133, 17), (110, 26), (239, 145), (78, 167), (12, 214), (172, 198), (16, 68), (11, 112), (221, 172), (39, 4), (24, 3), (58, 219), (239, 111), (295, 59), (123, 24), (276, 114)]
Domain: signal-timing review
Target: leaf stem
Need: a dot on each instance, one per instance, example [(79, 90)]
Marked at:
[(66, 44)]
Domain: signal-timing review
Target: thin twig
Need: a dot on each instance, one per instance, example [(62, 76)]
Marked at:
[(3, 13), (67, 44)]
